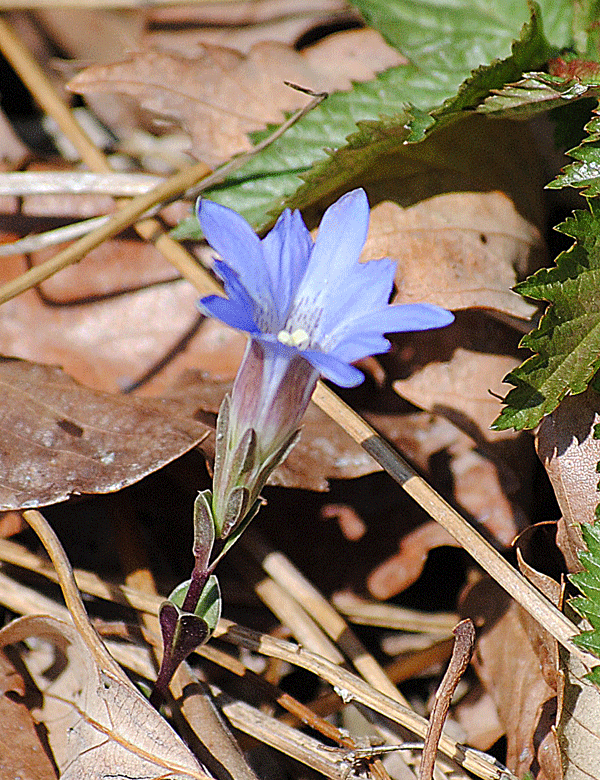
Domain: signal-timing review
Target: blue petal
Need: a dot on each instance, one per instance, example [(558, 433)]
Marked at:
[(395, 319), (340, 240), (238, 245), (333, 368), (360, 346), (230, 312), (286, 251), (364, 288)]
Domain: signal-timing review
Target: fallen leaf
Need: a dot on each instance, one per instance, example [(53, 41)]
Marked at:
[(510, 671), (566, 446), (458, 371), (241, 25), (60, 438), (458, 250), (219, 94), (98, 727), (476, 476), (22, 752), (112, 318)]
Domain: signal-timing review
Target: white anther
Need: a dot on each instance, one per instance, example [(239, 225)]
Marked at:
[(298, 338)]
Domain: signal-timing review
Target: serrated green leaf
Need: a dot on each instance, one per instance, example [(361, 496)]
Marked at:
[(534, 94), (588, 582), (403, 104), (584, 173), (567, 341)]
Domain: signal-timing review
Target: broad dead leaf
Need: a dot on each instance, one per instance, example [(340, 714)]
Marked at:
[(59, 438), (567, 448), (458, 250), (458, 371), (219, 94), (113, 317), (98, 727)]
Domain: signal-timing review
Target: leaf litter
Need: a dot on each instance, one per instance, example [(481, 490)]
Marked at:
[(465, 235)]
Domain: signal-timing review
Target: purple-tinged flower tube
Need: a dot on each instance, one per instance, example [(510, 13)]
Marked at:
[(311, 309)]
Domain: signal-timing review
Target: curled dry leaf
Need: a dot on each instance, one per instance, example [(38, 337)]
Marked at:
[(219, 94), (566, 446), (98, 726), (59, 438)]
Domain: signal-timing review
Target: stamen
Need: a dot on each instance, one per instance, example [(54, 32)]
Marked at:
[(298, 338)]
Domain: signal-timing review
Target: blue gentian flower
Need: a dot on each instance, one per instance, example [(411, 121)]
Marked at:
[(311, 309), (316, 299)]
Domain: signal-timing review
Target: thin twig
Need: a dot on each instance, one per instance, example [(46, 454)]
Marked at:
[(283, 571), (461, 656), (375, 613), (71, 594), (59, 235), (24, 183)]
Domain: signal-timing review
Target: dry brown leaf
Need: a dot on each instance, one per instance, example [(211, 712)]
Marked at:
[(94, 35), (458, 250), (219, 94), (60, 438), (567, 448), (114, 316), (325, 451), (22, 752), (510, 671), (98, 727), (458, 371)]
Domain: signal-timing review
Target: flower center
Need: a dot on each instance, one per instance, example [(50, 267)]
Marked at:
[(298, 338)]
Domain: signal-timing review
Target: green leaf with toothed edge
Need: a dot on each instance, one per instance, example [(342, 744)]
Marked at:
[(340, 140), (588, 605), (567, 341)]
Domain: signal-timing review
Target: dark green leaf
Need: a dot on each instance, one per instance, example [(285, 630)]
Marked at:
[(534, 94), (567, 341), (326, 151), (588, 582), (585, 172)]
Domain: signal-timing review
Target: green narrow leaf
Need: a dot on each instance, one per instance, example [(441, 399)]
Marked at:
[(567, 341)]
